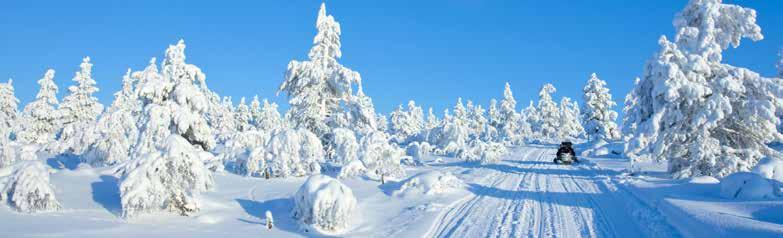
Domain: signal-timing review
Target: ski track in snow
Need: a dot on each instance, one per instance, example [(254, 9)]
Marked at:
[(526, 195)]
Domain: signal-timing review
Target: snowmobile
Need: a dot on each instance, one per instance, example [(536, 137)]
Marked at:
[(566, 154)]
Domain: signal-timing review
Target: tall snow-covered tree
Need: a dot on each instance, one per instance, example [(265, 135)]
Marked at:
[(243, 116), (316, 88), (493, 115), (79, 111), (224, 121), (703, 116), (116, 129), (174, 102), (269, 118), (255, 111), (548, 115), (570, 125), (508, 116), (39, 118), (9, 105), (432, 120), (597, 114)]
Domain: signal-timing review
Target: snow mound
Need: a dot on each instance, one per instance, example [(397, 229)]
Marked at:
[(744, 185), (29, 190), (704, 180), (772, 169), (324, 204), (430, 183)]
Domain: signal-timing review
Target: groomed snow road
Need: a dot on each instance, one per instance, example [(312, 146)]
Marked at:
[(526, 195)]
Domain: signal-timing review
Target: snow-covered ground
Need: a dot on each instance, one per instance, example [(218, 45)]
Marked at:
[(523, 195)]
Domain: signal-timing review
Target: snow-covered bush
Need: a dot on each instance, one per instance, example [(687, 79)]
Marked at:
[(491, 152), (406, 124), (597, 114), (294, 152), (242, 116), (744, 185), (703, 116), (343, 147), (168, 179), (419, 150), (380, 157), (38, 122), (238, 150), (270, 221), (324, 204), (772, 169), (79, 111), (352, 169), (430, 183), (28, 189), (508, 127)]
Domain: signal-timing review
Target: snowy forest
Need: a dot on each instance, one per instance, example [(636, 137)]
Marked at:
[(172, 151)]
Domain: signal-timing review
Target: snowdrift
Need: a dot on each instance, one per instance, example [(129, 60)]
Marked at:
[(324, 204)]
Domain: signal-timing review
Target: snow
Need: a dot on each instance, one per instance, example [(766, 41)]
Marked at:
[(744, 185), (324, 204)]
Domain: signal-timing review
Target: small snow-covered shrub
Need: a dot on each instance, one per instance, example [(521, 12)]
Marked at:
[(324, 204), (254, 164), (744, 185), (294, 152), (491, 152), (169, 179), (380, 157), (352, 169), (343, 147), (430, 183), (419, 150), (238, 148), (29, 190)]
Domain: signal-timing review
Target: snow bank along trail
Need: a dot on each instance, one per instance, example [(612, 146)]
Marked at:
[(526, 195)]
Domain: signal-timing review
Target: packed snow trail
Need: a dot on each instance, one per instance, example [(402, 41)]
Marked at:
[(526, 195)]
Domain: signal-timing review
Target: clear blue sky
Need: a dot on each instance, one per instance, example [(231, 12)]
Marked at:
[(431, 51)]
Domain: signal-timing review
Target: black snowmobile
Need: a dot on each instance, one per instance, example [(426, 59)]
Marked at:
[(566, 154)]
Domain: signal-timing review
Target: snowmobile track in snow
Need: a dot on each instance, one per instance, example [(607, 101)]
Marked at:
[(526, 195)]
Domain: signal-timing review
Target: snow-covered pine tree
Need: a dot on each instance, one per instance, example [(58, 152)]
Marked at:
[(432, 120), (705, 117), (381, 122), (39, 118), (343, 148), (173, 102), (224, 120), (79, 111), (116, 129), (9, 105), (294, 152), (508, 117), (168, 179), (380, 158), (570, 125), (243, 116), (361, 113), (315, 88), (548, 115), (530, 116), (269, 119), (255, 111), (597, 114), (29, 190)]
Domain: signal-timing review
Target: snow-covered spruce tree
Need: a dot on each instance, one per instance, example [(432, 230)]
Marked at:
[(703, 116), (530, 116), (28, 190), (174, 103), (8, 106), (168, 179), (243, 116), (315, 88), (255, 111), (380, 158), (294, 152), (406, 124), (39, 118), (597, 114), (79, 111), (570, 125), (238, 152), (432, 120), (477, 123), (452, 135), (223, 120), (343, 148), (508, 127), (116, 129), (548, 115), (269, 119), (381, 123)]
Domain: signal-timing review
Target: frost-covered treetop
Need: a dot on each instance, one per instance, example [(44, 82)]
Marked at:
[(48, 91), (546, 92), (707, 27), (84, 78), (326, 44)]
